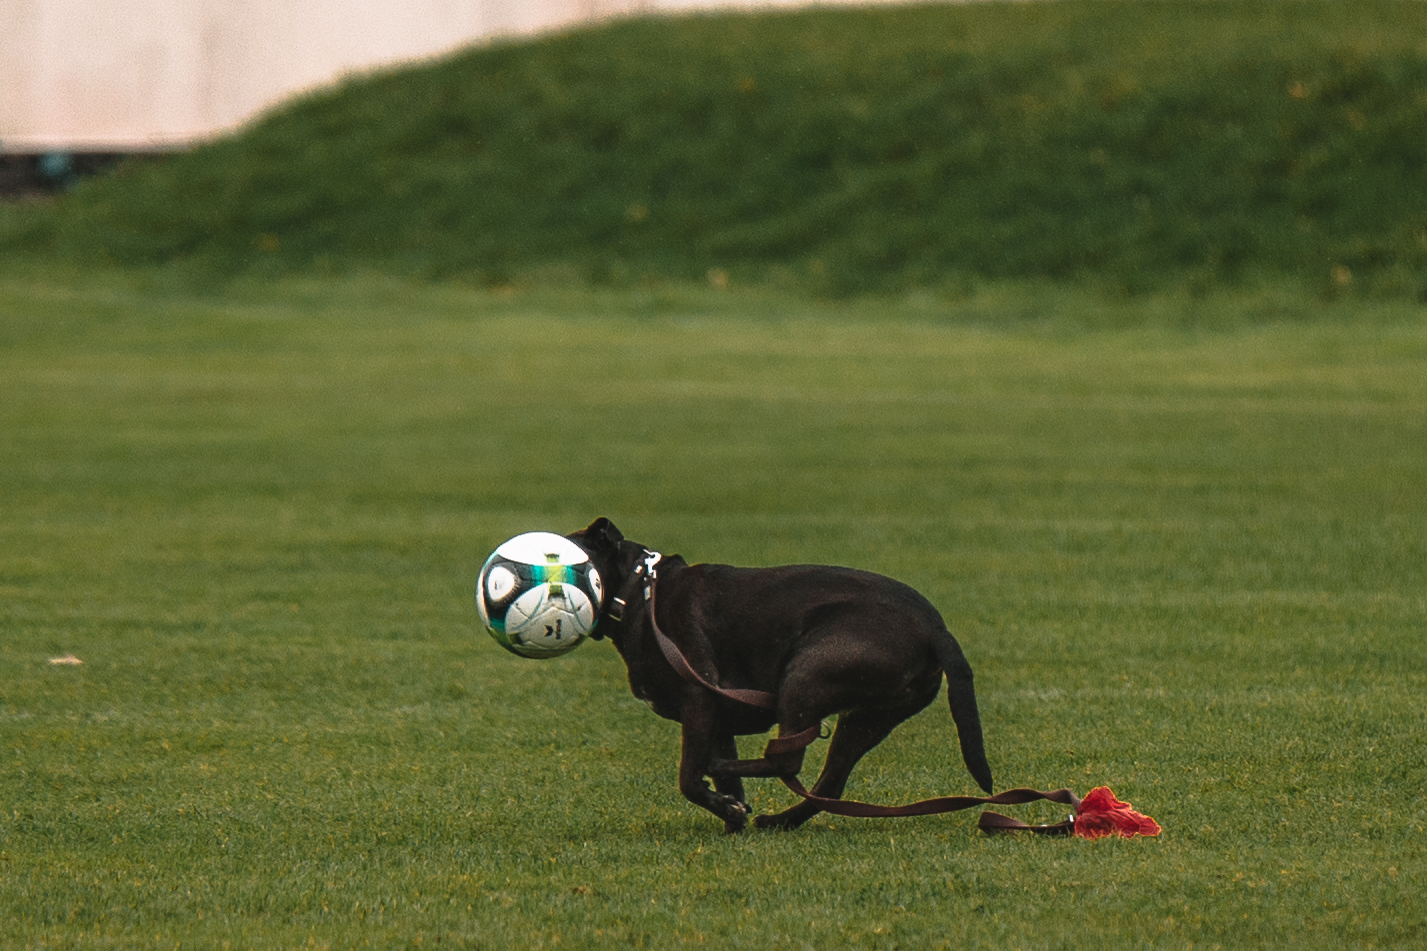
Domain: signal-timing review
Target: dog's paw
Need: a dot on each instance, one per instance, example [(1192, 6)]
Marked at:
[(735, 816), (787, 820)]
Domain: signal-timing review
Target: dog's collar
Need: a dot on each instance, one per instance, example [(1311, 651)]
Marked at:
[(647, 573)]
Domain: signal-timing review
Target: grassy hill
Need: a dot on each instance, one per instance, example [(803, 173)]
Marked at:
[(1133, 145)]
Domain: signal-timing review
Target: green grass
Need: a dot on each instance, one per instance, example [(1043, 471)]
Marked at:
[(1186, 560), (1136, 145)]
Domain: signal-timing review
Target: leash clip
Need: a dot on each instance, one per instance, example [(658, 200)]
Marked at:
[(651, 558), (645, 570)]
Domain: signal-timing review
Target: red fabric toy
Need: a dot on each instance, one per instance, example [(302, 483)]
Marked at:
[(1096, 816), (1100, 814)]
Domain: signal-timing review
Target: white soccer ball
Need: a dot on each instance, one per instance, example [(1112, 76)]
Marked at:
[(539, 595)]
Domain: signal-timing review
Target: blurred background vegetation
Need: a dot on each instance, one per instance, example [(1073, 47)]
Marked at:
[(1131, 146)]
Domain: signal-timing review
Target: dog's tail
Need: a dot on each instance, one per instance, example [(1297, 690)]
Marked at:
[(961, 694)]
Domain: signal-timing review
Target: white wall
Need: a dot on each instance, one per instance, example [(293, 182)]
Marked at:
[(119, 75)]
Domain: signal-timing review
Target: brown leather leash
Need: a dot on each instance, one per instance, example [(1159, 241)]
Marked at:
[(754, 698), (647, 573), (989, 822)]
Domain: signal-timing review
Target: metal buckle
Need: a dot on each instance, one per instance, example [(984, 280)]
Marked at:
[(617, 605), (651, 559)]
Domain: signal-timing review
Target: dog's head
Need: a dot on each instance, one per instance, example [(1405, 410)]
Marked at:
[(615, 558)]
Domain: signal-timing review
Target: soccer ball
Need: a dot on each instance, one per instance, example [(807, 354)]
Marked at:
[(538, 595)]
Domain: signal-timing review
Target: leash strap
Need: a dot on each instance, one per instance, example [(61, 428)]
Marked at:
[(994, 822), (989, 822), (754, 698), (793, 742), (681, 665)]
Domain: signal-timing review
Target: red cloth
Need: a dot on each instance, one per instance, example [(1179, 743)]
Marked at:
[(1101, 814)]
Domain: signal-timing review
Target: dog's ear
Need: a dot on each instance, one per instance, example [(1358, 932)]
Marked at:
[(603, 531), (601, 540)]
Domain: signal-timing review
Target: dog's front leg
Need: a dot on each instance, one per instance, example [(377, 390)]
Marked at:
[(701, 736), (726, 749)]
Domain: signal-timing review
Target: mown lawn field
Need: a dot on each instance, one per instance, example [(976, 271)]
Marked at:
[(1182, 542)]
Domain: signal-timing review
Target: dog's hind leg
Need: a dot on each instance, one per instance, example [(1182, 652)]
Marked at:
[(805, 696), (858, 731), (786, 763)]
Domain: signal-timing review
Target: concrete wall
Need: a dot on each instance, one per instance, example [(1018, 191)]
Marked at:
[(126, 75)]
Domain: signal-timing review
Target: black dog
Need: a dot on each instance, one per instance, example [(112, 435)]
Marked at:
[(809, 640)]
